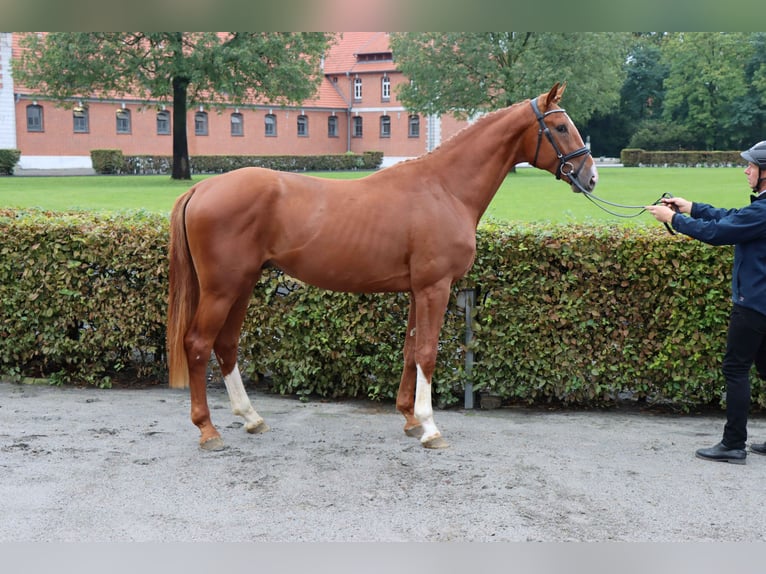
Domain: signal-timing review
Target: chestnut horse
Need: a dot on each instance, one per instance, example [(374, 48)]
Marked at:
[(407, 228)]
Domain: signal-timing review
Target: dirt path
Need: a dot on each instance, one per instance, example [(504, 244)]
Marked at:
[(93, 465)]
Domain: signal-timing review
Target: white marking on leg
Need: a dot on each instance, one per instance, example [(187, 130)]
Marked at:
[(423, 409), (240, 402)]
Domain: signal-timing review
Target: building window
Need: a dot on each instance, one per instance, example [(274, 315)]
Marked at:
[(200, 124), (357, 133), (303, 126), (357, 88), (270, 125), (80, 118), (385, 126), (414, 127), (123, 121), (163, 123), (332, 127), (385, 89), (237, 124), (375, 57), (34, 118)]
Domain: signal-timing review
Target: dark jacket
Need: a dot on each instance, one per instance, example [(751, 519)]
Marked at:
[(745, 228)]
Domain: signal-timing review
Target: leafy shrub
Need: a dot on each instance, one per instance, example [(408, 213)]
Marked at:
[(223, 163), (586, 315), (661, 135), (8, 160), (81, 296), (107, 161), (581, 315), (632, 157)]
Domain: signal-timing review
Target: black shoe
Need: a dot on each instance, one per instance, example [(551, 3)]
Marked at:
[(759, 448), (722, 453)]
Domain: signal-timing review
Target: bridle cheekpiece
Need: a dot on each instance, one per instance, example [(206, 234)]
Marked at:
[(566, 167)]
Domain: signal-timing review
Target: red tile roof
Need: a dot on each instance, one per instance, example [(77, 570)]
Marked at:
[(327, 97), (377, 44), (342, 57)]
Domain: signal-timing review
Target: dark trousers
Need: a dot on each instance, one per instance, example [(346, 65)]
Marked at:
[(745, 345)]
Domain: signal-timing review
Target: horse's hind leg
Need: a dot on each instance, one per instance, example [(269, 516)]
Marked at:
[(225, 348), (212, 312)]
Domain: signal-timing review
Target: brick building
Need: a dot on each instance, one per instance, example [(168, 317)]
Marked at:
[(355, 109)]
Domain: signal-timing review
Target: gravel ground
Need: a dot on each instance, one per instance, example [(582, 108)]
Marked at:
[(82, 464)]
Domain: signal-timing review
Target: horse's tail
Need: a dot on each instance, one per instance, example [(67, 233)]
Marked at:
[(184, 294)]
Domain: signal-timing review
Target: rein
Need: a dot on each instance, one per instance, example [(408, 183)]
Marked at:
[(600, 202), (566, 168)]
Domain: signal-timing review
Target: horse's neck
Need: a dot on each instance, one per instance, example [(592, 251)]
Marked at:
[(475, 162)]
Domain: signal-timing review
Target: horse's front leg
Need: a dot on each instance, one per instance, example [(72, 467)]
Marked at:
[(405, 398), (431, 305)]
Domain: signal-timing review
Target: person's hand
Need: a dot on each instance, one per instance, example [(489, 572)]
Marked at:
[(661, 212), (682, 205)]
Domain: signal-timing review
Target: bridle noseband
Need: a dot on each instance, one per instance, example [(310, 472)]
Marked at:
[(566, 167)]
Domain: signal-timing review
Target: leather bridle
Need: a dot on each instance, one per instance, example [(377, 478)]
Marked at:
[(566, 167)]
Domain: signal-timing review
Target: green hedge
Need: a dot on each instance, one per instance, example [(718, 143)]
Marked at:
[(8, 160), (632, 157), (590, 314), (572, 315), (107, 161), (112, 161), (82, 296)]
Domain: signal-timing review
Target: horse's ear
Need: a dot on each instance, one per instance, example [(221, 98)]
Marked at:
[(554, 96)]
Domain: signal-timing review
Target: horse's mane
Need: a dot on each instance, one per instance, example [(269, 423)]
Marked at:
[(476, 125)]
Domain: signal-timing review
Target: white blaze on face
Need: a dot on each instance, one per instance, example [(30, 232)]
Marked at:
[(240, 402), (423, 408)]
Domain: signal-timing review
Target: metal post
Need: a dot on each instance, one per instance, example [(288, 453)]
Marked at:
[(469, 300)]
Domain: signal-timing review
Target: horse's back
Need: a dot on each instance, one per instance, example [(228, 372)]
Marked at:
[(245, 184)]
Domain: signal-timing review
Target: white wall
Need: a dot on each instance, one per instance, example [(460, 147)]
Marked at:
[(55, 162), (7, 108)]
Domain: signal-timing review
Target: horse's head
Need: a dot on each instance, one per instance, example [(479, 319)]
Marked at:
[(558, 147)]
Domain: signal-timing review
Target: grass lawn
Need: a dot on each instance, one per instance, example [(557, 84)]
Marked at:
[(532, 195), (527, 195)]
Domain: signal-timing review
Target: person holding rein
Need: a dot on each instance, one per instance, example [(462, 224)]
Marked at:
[(745, 228)]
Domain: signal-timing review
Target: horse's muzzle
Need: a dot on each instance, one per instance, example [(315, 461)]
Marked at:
[(582, 180)]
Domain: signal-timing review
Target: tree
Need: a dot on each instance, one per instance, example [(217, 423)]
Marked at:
[(755, 106), (179, 68), (756, 67), (706, 87), (642, 93), (641, 98), (465, 73)]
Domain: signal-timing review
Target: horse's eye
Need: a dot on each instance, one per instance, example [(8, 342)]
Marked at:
[(562, 129)]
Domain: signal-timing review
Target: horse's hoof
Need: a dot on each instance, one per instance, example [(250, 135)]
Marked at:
[(212, 444), (436, 442), (415, 432), (257, 428)]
